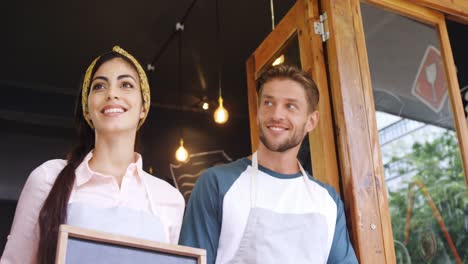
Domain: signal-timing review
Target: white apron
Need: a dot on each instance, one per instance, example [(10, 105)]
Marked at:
[(117, 220), (271, 237)]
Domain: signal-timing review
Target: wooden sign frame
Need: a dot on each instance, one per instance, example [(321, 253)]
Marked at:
[(66, 232)]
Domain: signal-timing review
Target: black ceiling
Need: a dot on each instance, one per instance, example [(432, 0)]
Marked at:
[(47, 46)]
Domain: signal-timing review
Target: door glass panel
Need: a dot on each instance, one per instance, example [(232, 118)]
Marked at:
[(420, 153), (458, 34), (288, 54)]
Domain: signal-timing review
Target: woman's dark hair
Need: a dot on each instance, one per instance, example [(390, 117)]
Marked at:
[(54, 210)]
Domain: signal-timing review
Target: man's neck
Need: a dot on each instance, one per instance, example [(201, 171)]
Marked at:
[(281, 162)]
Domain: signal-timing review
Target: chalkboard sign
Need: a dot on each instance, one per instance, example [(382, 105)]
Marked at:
[(185, 174), (79, 245)]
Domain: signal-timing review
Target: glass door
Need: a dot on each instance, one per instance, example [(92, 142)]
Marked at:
[(421, 128), (391, 71)]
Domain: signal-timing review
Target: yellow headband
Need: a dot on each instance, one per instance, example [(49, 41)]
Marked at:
[(145, 90)]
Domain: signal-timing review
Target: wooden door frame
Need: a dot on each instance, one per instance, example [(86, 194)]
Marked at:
[(353, 107), (456, 10), (299, 22), (452, 7)]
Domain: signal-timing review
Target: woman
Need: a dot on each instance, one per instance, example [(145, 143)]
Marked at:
[(101, 185)]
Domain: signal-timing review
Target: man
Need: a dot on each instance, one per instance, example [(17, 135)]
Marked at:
[(265, 208)]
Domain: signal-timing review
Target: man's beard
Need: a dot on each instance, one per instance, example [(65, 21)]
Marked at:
[(284, 146)]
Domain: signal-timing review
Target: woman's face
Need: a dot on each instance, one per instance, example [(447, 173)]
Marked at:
[(115, 101)]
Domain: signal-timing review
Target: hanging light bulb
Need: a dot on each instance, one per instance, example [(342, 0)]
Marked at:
[(221, 115), (205, 106), (181, 153)]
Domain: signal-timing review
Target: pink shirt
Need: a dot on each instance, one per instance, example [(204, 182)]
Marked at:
[(139, 191)]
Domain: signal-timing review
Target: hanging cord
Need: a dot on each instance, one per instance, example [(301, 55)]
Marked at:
[(180, 68), (218, 46), (151, 66), (180, 29), (272, 15)]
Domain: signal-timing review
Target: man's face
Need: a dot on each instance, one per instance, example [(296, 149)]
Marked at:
[(283, 117)]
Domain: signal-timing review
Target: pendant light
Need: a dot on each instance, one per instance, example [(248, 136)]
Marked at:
[(221, 115), (181, 153)]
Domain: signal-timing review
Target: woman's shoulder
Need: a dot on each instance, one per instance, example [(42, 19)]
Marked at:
[(164, 191), (53, 164), (40, 182), (48, 171)]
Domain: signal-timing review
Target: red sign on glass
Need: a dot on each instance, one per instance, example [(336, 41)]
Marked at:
[(430, 85)]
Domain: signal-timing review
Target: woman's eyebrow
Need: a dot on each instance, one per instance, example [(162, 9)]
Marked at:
[(100, 78), (125, 76)]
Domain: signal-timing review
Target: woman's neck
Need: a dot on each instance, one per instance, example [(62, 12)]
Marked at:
[(113, 154)]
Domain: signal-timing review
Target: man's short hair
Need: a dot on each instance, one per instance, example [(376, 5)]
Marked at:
[(290, 72)]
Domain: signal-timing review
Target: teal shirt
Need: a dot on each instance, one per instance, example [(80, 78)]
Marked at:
[(220, 187)]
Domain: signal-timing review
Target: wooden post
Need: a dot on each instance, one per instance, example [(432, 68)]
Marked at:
[(357, 138)]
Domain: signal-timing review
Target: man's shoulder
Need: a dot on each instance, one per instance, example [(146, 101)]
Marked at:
[(325, 188), (223, 176), (232, 169)]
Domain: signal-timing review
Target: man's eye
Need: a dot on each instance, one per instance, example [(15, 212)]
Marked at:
[(291, 106)]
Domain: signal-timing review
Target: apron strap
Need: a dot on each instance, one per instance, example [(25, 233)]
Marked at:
[(253, 181)]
